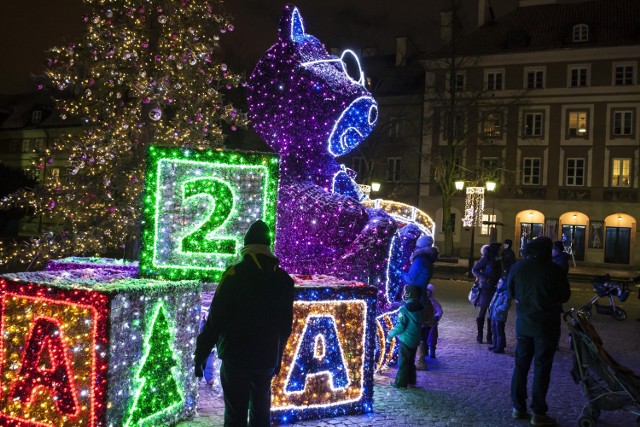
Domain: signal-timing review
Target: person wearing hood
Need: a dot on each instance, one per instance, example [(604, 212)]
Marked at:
[(539, 288), (249, 322), (408, 332), (487, 270), (420, 274), (508, 256)]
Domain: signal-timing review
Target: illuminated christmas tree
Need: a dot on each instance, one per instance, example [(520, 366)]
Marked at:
[(158, 390), (146, 72)]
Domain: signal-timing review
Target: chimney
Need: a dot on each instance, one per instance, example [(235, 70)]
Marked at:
[(401, 51), (446, 25), (485, 13)]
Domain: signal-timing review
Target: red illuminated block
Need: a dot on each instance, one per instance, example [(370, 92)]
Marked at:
[(85, 352)]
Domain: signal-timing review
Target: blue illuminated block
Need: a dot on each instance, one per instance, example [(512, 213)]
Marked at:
[(328, 362), (197, 207)]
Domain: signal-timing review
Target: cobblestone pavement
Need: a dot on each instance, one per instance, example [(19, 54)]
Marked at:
[(470, 386)]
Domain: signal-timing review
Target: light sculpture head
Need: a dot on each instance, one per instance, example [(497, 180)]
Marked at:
[(301, 99)]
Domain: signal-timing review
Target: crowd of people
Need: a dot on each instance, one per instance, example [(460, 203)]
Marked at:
[(251, 315)]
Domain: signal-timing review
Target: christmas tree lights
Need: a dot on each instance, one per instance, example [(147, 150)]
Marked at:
[(144, 72), (197, 207)]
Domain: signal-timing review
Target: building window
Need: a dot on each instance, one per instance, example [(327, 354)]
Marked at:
[(623, 75), (535, 79), (457, 84), (396, 127), (492, 124), (457, 132), (532, 124), (393, 169), (578, 124), (575, 172), (31, 145), (622, 123), (484, 230), (531, 171), (580, 33), (494, 80), (359, 166), (36, 117), (452, 221), (621, 173), (490, 166), (578, 76)]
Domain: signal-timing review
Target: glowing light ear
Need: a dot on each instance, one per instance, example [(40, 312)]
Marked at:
[(291, 26)]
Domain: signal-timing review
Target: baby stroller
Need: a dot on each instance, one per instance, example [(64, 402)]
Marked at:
[(604, 287), (606, 384)]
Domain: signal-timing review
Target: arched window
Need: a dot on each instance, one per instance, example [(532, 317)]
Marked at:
[(580, 33)]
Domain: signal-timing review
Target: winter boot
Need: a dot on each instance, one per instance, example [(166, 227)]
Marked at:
[(489, 335), (480, 324), (432, 352), (421, 363)]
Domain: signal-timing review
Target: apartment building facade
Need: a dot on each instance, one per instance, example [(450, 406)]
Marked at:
[(556, 118)]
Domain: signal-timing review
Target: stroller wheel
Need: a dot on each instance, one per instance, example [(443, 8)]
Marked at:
[(619, 314), (586, 421)]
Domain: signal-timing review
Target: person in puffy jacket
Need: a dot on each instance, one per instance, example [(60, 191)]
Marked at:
[(488, 271), (407, 331), (420, 274), (249, 322), (539, 288), (498, 312)]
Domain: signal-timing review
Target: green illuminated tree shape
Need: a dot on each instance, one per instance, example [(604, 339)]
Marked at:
[(158, 391)]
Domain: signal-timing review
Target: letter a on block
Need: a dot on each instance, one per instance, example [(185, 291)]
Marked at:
[(45, 364), (319, 353)]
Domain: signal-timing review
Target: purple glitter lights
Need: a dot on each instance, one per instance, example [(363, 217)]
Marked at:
[(307, 106)]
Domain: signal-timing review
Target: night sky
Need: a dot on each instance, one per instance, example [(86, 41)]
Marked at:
[(29, 27)]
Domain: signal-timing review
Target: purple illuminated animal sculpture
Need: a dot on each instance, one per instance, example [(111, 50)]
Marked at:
[(311, 107)]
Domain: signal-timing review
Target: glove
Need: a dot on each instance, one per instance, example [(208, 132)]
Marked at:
[(199, 368)]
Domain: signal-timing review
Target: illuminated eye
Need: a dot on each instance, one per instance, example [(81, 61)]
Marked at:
[(351, 66)]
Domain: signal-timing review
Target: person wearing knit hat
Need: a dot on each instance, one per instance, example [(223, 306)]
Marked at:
[(249, 322), (419, 274), (432, 334)]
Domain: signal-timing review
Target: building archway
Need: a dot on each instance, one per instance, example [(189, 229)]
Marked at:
[(529, 225), (618, 238), (573, 228)]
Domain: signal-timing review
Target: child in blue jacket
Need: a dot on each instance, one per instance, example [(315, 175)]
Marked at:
[(408, 333), (498, 311)]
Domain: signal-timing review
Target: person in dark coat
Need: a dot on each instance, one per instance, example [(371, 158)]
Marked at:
[(559, 256), (250, 320), (487, 270), (408, 333), (539, 288), (508, 256), (498, 312), (420, 274)]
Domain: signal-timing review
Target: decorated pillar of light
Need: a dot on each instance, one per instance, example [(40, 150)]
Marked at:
[(473, 208)]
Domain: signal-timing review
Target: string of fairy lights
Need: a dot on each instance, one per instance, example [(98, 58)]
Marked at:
[(144, 72)]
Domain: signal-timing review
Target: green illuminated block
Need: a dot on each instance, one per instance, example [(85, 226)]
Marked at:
[(197, 207)]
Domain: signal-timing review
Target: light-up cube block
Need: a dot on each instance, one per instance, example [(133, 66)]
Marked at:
[(96, 352), (197, 207), (328, 363), (76, 263)]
